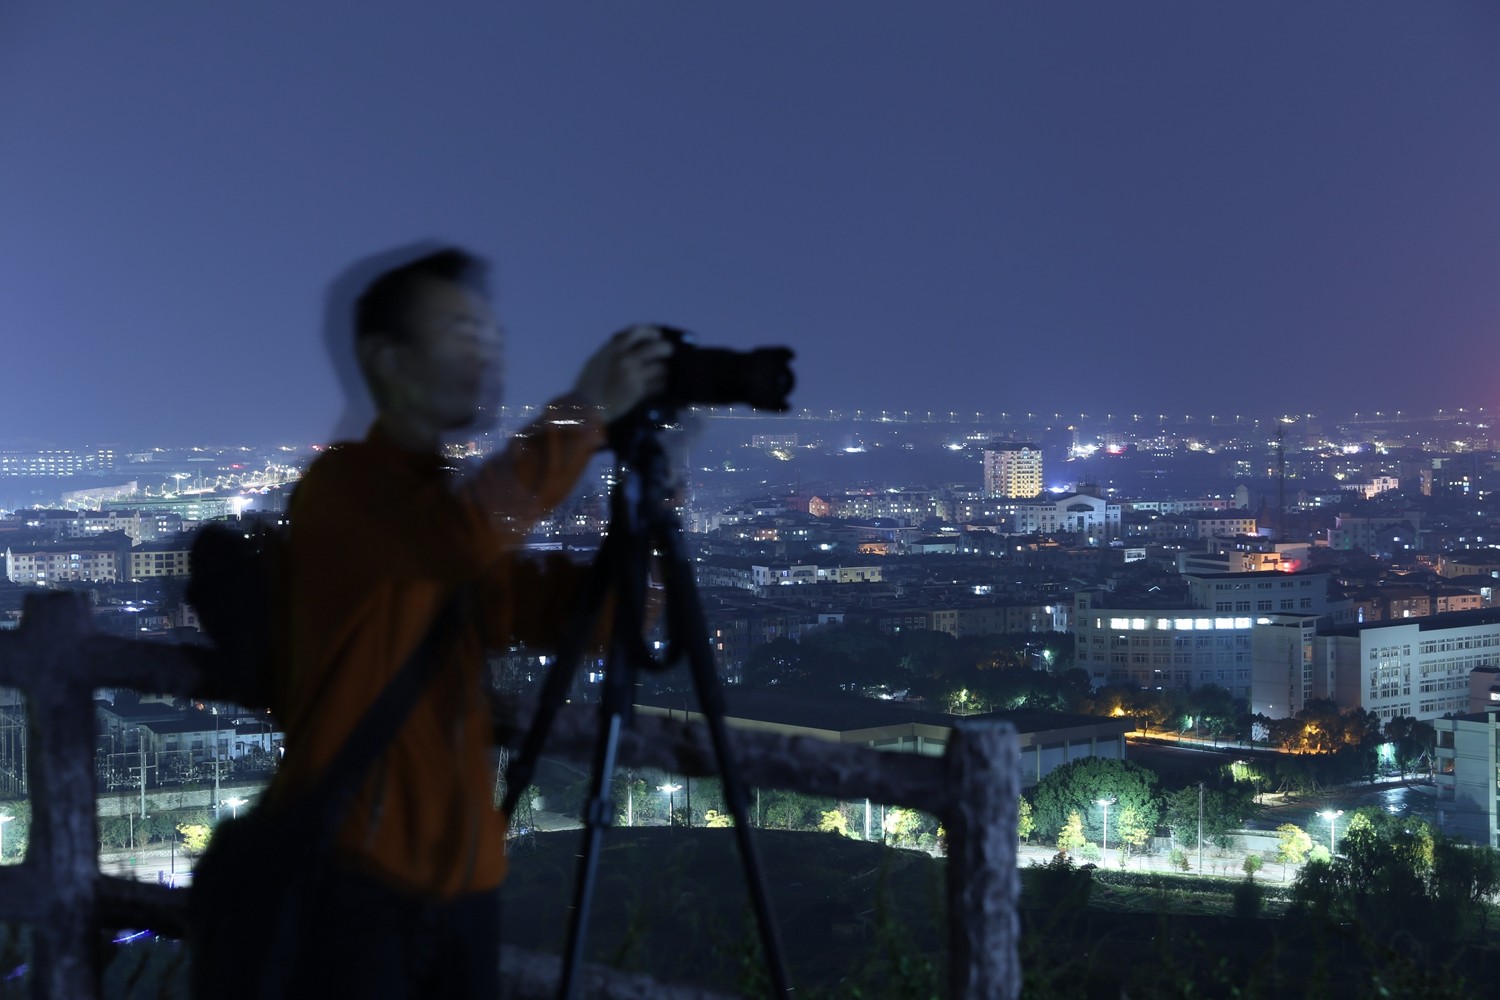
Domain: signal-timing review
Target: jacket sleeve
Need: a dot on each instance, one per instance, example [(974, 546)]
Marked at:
[(442, 527)]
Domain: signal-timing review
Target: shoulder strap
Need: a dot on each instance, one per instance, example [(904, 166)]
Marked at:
[(329, 797)]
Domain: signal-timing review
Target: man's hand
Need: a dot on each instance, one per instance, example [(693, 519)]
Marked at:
[(630, 367)]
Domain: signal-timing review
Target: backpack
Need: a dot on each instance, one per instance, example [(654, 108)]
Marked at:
[(234, 575)]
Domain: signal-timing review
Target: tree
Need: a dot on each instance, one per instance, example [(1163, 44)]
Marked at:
[(1382, 877), (926, 653), (159, 826), (1413, 742), (786, 810), (16, 829), (1252, 865), (1078, 785), (715, 820), (1223, 813), (778, 663), (1213, 707), (114, 831), (1025, 821), (636, 801), (1464, 879), (902, 826), (195, 837), (1293, 844), (834, 821), (848, 657), (1133, 833), (1071, 837)]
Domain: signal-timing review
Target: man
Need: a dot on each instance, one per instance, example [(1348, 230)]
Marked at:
[(384, 534)]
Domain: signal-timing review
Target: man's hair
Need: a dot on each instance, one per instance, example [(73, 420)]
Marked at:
[(382, 307)]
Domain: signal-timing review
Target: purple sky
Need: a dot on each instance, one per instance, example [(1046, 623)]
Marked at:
[(1086, 206)]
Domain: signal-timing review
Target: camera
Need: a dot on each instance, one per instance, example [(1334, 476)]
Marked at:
[(717, 376)]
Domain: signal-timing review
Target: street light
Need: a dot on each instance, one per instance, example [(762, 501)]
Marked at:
[(671, 790), (3, 820), (1330, 815), (234, 805), (1106, 803), (216, 763)]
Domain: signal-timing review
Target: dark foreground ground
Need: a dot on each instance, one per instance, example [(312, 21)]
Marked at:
[(859, 920)]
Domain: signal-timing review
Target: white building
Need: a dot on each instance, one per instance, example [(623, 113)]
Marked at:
[(80, 560), (1419, 667), (1467, 765), (1071, 513), (1286, 673), (785, 574), (1012, 470), (1416, 666)]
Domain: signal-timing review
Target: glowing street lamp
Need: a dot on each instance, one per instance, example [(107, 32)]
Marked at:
[(671, 791), (1106, 803), (1330, 815), (234, 806)]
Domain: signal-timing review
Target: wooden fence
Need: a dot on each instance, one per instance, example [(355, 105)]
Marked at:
[(57, 661)]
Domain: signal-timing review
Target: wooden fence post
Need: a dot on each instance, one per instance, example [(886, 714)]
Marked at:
[(984, 775)]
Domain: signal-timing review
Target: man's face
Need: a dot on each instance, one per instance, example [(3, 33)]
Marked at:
[(449, 366)]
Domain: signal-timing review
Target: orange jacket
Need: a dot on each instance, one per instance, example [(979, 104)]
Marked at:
[(380, 538)]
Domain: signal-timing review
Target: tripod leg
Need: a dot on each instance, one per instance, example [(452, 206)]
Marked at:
[(598, 814), (627, 561), (560, 678), (687, 615)]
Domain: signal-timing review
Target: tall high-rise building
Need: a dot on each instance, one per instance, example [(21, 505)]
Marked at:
[(1012, 469)]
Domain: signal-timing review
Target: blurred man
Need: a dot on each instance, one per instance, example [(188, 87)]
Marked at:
[(384, 534)]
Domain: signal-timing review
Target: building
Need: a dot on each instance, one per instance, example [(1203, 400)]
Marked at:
[(1073, 513), (1221, 523), (1474, 562), (153, 560), (138, 526), (56, 462), (1286, 672), (1303, 593), (79, 560), (1419, 667), (1467, 765), (1206, 637), (1012, 470), (905, 507), (785, 574), (1374, 534)]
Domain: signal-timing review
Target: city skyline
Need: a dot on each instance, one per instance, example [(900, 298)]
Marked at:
[(1160, 207)]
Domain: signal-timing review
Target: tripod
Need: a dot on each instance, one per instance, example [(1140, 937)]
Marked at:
[(641, 519)]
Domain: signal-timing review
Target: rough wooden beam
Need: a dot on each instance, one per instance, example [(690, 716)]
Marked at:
[(800, 763)]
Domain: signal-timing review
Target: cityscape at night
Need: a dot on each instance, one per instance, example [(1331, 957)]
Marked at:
[(1099, 595)]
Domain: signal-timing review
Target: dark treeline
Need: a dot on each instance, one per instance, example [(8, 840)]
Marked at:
[(1029, 670)]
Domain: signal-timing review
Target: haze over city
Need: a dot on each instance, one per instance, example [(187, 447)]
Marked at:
[(1279, 207)]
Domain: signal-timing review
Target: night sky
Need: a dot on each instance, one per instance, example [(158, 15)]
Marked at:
[(1086, 206)]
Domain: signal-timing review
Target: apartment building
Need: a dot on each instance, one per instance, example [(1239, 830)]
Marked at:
[(1012, 469)]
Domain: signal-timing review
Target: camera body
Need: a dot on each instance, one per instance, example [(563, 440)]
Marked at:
[(716, 376)]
